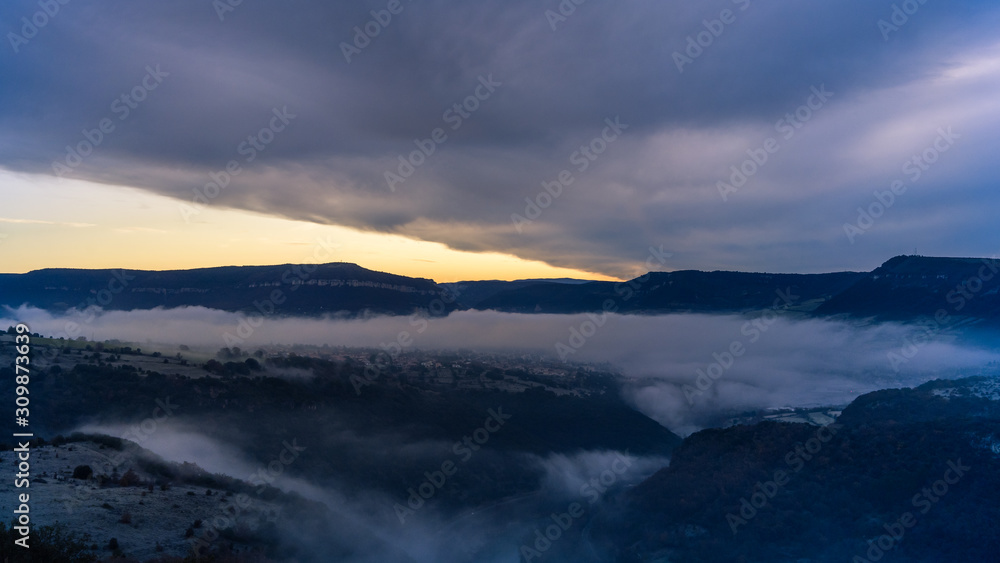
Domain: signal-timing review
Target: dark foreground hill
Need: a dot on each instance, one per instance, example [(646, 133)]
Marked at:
[(479, 455), (98, 498), (913, 472)]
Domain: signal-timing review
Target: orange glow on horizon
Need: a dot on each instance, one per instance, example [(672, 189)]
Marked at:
[(51, 223)]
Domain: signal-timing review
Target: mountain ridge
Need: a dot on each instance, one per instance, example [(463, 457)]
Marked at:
[(905, 287)]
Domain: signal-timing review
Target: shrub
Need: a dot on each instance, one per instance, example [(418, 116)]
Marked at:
[(129, 479)]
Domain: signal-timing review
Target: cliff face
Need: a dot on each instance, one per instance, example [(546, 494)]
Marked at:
[(907, 287), (903, 288)]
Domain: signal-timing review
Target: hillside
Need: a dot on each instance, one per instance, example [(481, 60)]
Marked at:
[(905, 288), (912, 286), (837, 488), (670, 292), (302, 289), (131, 502)]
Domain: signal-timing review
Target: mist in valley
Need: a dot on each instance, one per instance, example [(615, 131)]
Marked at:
[(366, 522), (686, 371), (683, 370)]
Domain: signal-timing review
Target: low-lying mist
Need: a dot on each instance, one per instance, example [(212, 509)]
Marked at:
[(687, 371), (490, 533), (683, 370)]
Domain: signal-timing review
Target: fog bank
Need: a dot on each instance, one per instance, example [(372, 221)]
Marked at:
[(682, 369)]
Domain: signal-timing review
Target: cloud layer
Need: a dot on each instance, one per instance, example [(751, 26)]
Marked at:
[(779, 361), (222, 75)]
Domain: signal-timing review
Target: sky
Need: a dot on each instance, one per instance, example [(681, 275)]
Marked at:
[(498, 140)]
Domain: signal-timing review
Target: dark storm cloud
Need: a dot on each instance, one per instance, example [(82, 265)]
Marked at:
[(656, 184)]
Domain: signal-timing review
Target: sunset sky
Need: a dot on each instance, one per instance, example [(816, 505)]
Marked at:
[(132, 228), (415, 147)]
